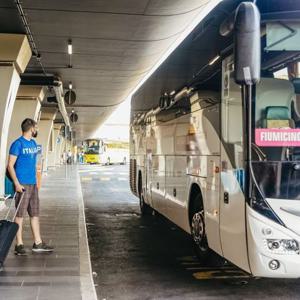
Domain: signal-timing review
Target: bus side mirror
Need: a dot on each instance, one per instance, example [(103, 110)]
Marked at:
[(247, 57)]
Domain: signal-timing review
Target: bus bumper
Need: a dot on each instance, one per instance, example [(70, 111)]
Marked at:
[(264, 262), (92, 159)]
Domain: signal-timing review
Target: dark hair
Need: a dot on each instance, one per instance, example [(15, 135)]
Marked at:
[(27, 124)]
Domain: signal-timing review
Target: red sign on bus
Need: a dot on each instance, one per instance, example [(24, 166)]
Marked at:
[(266, 137)]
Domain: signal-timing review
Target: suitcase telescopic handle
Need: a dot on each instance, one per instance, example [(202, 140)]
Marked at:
[(11, 204)]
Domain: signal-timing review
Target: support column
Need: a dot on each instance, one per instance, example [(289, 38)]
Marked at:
[(45, 138), (56, 144), (27, 105), (15, 54), (60, 151)]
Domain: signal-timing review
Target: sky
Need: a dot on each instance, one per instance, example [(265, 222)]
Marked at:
[(116, 127)]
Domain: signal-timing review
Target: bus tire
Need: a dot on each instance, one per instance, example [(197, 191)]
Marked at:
[(199, 239), (145, 209)]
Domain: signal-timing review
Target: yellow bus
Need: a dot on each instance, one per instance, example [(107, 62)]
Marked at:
[(92, 151)]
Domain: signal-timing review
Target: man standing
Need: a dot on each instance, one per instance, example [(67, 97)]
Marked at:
[(82, 157), (22, 169), (69, 161)]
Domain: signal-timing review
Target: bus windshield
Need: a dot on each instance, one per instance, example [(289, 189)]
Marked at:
[(93, 146), (276, 114)]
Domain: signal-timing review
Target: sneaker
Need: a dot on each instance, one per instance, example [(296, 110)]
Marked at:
[(20, 250), (42, 247)]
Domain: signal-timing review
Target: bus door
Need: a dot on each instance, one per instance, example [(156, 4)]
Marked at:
[(232, 200)]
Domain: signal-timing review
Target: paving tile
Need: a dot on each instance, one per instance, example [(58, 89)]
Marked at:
[(26, 293), (36, 283), (8, 273), (62, 293), (61, 273), (56, 275), (10, 283), (29, 273)]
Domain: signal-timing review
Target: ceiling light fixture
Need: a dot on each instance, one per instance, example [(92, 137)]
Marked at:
[(70, 52), (214, 60), (70, 47)]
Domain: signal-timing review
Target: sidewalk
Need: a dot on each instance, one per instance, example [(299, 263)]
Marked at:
[(66, 273)]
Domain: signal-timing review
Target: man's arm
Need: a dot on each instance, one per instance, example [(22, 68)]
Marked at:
[(11, 163)]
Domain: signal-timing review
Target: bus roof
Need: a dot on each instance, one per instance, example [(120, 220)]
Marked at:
[(189, 63)]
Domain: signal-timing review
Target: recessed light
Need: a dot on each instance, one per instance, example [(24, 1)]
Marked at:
[(70, 47), (214, 60)]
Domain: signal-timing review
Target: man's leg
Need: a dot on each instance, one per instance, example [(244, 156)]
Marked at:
[(19, 237), (35, 228), (34, 211), (20, 213), (19, 248)]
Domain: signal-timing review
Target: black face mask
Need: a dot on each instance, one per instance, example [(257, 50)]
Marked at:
[(34, 134)]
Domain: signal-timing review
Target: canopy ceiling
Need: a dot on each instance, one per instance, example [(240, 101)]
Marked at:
[(116, 43)]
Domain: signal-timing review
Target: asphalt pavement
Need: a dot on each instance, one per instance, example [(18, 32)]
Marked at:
[(135, 257)]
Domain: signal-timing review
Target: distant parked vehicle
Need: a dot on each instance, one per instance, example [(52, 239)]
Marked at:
[(92, 150), (115, 152)]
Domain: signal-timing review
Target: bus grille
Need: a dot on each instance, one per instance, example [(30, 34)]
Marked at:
[(132, 176)]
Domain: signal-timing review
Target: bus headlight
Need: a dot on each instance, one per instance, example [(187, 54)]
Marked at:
[(283, 246)]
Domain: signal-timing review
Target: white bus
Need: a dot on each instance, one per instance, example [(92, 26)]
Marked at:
[(115, 152), (219, 153)]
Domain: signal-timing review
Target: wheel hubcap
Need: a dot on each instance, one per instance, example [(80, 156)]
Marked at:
[(198, 230)]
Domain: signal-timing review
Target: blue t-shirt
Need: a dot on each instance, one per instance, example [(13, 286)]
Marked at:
[(25, 165)]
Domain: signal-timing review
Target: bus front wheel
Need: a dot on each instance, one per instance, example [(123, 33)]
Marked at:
[(146, 209), (198, 232)]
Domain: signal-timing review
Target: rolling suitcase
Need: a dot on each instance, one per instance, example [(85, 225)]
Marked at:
[(9, 187), (8, 231)]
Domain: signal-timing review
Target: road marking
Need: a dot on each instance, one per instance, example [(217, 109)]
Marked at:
[(220, 275), (199, 272), (90, 170), (122, 179), (104, 178), (86, 178), (199, 267)]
